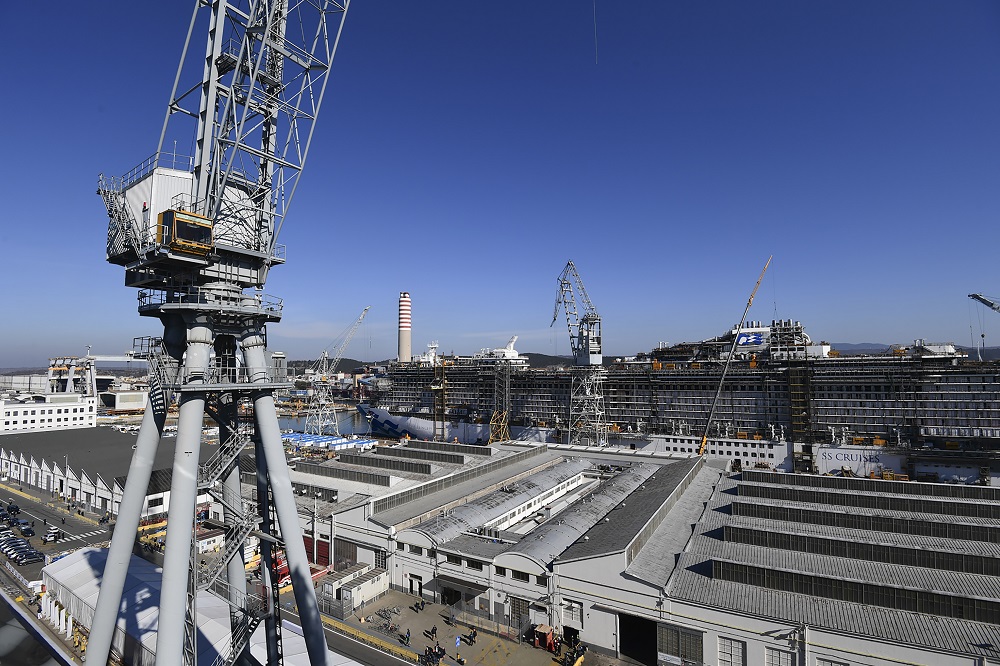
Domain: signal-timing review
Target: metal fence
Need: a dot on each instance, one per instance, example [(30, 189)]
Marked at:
[(512, 627)]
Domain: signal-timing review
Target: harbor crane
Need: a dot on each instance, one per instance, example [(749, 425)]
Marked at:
[(323, 413), (197, 236), (587, 416), (991, 304)]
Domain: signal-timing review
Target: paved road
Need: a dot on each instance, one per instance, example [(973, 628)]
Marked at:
[(79, 531)]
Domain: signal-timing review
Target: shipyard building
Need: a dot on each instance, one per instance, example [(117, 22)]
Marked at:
[(665, 559), (657, 557)]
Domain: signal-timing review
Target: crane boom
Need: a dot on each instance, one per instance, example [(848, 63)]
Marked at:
[(323, 411), (586, 414), (993, 305), (584, 331), (729, 359)]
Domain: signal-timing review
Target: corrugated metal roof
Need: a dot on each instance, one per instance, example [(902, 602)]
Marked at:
[(432, 501), (629, 501), (656, 560), (691, 579), (482, 510), (882, 623), (958, 546)]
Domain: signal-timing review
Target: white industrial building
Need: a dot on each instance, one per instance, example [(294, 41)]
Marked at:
[(670, 560), (664, 560)]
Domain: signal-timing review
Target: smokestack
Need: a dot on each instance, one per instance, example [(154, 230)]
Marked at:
[(404, 354)]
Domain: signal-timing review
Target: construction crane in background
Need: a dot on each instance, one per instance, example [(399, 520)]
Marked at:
[(587, 419), (198, 236), (729, 359), (500, 419), (991, 304), (323, 413)]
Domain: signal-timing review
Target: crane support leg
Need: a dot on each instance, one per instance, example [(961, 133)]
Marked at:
[(109, 599), (170, 640), (284, 503)]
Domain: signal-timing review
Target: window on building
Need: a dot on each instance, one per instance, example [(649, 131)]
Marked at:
[(380, 559), (453, 559), (416, 550), (574, 611), (820, 661), (542, 580), (731, 652), (680, 642), (773, 657), (475, 565), (519, 575), (400, 545), (153, 501), (500, 571)]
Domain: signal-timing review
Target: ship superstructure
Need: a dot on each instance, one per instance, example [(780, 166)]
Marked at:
[(781, 386)]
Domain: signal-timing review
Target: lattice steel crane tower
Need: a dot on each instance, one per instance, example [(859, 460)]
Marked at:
[(586, 416), (197, 236), (323, 412)]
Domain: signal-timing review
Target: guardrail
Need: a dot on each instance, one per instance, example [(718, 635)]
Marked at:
[(372, 641)]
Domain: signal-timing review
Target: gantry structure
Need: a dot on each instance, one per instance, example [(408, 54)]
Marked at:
[(197, 236), (587, 418)]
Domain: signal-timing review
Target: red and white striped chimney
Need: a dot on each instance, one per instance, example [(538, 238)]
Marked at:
[(404, 353)]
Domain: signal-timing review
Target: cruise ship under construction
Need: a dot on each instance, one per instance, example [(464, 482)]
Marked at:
[(785, 402)]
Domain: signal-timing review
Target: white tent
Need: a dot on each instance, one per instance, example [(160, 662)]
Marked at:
[(74, 582)]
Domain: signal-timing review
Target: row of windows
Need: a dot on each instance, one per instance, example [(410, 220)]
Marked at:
[(918, 601), (872, 501), (872, 552), (475, 565), (57, 410), (941, 528), (59, 419)]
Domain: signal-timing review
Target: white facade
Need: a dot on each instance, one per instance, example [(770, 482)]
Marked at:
[(614, 599), (52, 411)]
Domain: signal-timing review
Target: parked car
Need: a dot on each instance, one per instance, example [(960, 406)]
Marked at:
[(29, 558), (26, 531)]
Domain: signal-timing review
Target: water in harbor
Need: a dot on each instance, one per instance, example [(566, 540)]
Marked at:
[(350, 422)]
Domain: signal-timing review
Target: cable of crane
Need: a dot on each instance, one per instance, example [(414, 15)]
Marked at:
[(595, 32), (729, 359)]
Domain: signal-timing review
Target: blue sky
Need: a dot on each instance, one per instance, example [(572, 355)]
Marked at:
[(467, 150)]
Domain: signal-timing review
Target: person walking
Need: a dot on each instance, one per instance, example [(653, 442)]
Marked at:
[(434, 631), (407, 637)]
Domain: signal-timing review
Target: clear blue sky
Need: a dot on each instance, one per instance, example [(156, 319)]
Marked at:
[(467, 150)]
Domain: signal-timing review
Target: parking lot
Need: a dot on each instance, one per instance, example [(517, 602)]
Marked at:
[(45, 525)]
